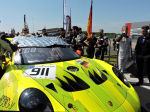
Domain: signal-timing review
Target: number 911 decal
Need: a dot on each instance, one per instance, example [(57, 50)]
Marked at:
[(41, 72)]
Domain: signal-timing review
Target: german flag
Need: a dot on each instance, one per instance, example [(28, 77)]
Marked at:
[(89, 25)]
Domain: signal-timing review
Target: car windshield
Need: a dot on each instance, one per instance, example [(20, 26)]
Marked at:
[(44, 55)]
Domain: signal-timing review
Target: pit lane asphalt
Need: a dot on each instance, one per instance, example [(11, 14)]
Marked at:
[(143, 91), (144, 95)]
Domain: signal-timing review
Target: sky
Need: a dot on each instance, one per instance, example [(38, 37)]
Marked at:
[(110, 15)]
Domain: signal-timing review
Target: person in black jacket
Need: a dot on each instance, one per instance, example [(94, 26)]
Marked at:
[(74, 37), (142, 52), (90, 42), (100, 46)]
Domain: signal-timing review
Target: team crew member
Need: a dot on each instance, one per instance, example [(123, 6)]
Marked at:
[(90, 42), (81, 37), (106, 44), (142, 51), (100, 45), (69, 37), (124, 54), (74, 37)]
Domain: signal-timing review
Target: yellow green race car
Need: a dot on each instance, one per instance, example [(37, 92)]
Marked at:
[(46, 75)]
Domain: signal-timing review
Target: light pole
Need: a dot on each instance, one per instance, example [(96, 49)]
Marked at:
[(0, 23), (63, 13)]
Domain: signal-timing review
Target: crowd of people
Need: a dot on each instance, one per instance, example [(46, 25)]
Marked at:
[(78, 41), (96, 46), (141, 56)]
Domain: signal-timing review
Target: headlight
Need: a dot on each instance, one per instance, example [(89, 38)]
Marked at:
[(34, 100), (121, 76)]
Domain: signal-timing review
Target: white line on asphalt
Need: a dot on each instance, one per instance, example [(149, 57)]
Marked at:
[(146, 87)]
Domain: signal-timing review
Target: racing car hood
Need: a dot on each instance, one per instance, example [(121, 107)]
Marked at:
[(86, 84)]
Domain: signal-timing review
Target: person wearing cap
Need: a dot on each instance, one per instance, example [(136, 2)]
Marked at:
[(142, 53)]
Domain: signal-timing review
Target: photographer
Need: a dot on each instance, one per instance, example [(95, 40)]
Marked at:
[(124, 53), (142, 52)]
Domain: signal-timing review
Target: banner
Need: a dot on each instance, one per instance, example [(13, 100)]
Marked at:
[(129, 28), (68, 24)]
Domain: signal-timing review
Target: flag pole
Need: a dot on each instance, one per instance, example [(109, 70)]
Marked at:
[(63, 13), (70, 16), (24, 20)]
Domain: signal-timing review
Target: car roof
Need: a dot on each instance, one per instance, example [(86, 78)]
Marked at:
[(38, 41)]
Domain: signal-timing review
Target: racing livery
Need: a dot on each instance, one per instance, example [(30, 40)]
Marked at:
[(46, 75)]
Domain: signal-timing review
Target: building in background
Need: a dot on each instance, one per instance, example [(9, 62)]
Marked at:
[(135, 28), (51, 31), (134, 31)]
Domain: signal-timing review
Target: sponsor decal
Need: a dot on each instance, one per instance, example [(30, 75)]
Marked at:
[(82, 59), (79, 61), (41, 72), (5, 102), (85, 64)]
